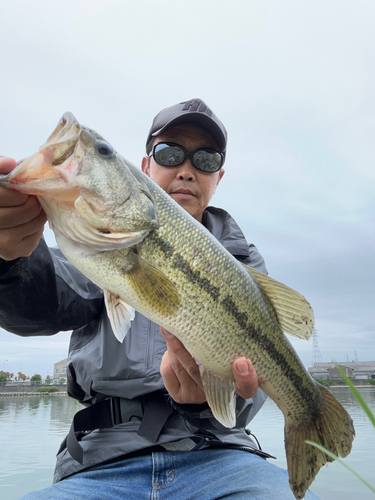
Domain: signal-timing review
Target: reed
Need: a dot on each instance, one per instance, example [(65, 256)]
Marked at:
[(372, 420)]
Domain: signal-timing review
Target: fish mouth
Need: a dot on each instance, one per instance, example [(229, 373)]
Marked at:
[(61, 143), (51, 167)]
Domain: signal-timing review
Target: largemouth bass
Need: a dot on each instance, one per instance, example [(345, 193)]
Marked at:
[(128, 236)]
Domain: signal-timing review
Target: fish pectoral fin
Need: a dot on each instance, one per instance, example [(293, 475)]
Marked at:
[(120, 314), (220, 393), (294, 313), (151, 285)]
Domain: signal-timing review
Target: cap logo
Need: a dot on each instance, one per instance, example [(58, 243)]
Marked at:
[(196, 105)]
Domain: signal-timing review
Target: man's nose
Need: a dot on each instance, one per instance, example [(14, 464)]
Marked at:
[(186, 171)]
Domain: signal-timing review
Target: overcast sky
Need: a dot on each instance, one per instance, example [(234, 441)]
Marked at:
[(293, 83)]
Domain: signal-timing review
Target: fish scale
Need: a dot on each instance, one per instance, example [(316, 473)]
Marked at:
[(147, 254), (198, 340)]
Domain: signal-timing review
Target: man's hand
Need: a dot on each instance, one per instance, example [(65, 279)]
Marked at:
[(21, 219), (182, 378)]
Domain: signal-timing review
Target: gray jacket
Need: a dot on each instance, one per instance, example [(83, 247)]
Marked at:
[(55, 297)]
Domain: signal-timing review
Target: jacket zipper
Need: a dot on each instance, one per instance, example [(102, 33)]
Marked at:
[(150, 345)]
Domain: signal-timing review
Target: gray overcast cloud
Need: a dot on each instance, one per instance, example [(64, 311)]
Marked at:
[(293, 83)]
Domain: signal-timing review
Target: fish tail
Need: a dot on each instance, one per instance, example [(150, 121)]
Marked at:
[(332, 428)]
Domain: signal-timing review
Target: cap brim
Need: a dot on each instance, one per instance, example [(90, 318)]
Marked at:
[(202, 121)]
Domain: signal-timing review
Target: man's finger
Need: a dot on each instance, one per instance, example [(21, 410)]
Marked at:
[(171, 382), (246, 378), (185, 367), (181, 360), (7, 164), (17, 209), (9, 197)]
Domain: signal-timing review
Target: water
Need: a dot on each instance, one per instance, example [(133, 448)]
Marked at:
[(333, 482), (32, 428)]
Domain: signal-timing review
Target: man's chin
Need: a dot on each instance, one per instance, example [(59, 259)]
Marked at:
[(188, 204)]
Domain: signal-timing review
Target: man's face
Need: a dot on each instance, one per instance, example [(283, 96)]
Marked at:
[(189, 187)]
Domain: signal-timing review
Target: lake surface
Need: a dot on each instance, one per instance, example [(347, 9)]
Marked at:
[(32, 428), (333, 482)]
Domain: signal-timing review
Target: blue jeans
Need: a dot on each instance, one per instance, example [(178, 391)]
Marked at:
[(198, 475)]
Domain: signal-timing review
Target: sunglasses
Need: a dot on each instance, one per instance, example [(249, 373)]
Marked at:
[(169, 154)]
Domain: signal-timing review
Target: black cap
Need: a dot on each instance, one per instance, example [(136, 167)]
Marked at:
[(194, 111)]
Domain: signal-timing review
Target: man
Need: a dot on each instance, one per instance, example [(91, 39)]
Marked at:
[(147, 431)]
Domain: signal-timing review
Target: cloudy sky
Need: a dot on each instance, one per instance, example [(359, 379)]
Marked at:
[(292, 81)]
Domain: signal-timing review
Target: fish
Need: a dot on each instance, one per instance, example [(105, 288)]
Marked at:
[(147, 254)]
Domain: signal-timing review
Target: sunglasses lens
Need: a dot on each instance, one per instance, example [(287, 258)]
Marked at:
[(207, 161), (168, 156), (172, 155)]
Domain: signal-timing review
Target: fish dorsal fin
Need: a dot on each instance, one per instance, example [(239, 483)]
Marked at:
[(294, 313), (120, 314), (151, 284), (220, 393)]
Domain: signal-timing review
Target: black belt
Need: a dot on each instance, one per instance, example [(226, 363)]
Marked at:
[(152, 409)]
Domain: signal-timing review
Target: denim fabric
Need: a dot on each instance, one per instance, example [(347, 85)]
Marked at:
[(200, 475)]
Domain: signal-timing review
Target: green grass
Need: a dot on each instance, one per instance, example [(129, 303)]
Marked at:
[(325, 382), (53, 388)]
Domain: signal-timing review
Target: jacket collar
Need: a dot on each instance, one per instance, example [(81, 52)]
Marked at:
[(226, 230)]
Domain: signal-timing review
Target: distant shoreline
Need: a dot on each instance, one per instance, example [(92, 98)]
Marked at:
[(357, 386), (30, 390), (31, 393)]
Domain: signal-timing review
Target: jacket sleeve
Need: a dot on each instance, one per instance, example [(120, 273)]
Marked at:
[(44, 294)]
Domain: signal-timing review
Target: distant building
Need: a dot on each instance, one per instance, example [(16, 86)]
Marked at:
[(59, 370), (357, 370)]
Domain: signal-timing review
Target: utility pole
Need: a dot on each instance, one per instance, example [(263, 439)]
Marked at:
[(316, 354)]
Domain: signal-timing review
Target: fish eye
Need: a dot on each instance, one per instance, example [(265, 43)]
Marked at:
[(104, 149)]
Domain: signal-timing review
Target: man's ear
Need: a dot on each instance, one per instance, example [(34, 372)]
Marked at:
[(222, 172), (146, 165), (219, 177)]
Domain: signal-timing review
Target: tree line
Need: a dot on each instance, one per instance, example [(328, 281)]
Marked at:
[(21, 377)]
